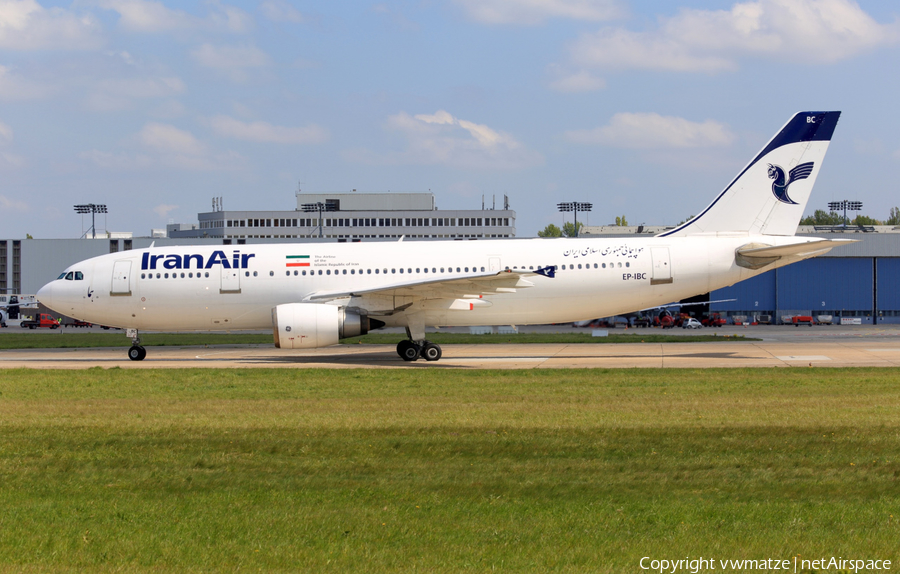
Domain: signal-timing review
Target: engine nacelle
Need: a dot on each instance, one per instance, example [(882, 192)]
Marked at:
[(311, 325)]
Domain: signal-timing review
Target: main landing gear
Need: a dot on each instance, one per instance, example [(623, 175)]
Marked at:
[(410, 350), (136, 352)]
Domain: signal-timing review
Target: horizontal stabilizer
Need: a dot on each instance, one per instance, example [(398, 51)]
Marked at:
[(756, 255)]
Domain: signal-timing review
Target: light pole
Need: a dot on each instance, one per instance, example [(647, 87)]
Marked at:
[(320, 207), (576, 207), (845, 205), (93, 209)]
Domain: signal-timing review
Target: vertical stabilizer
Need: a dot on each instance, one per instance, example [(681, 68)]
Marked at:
[(770, 194)]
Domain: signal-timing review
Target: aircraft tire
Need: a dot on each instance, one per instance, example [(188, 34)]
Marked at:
[(136, 353), (408, 350), (431, 352)]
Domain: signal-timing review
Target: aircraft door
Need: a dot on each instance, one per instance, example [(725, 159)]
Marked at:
[(494, 264), (231, 281), (662, 266), (121, 279)]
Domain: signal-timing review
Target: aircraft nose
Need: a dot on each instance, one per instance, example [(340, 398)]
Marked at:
[(45, 296)]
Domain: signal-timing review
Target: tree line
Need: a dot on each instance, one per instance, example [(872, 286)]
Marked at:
[(822, 217)]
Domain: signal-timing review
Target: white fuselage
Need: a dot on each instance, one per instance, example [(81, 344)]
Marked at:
[(191, 288)]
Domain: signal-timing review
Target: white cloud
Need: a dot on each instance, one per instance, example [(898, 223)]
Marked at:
[(531, 12), (814, 31), (234, 61), (583, 81), (163, 210), (650, 130), (119, 93), (26, 25), (13, 87), (442, 139), (152, 17), (6, 158), (266, 132), (280, 11), (170, 140), (6, 134), (7, 205)]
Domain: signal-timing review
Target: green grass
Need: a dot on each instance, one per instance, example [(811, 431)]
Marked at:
[(443, 471), (62, 340)]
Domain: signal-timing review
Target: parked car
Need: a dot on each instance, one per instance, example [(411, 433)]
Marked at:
[(691, 323)]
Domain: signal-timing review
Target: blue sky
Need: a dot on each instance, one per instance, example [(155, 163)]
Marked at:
[(646, 109)]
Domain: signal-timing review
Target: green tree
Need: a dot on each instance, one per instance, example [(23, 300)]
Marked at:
[(621, 221), (28, 236), (864, 220), (569, 229), (821, 217), (689, 217), (894, 219), (551, 231)]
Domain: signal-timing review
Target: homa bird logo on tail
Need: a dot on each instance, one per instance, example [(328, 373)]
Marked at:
[(780, 185)]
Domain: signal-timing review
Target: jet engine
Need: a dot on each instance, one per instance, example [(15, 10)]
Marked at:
[(311, 325)]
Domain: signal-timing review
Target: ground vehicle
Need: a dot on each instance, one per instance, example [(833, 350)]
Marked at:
[(691, 323), (803, 319), (42, 320), (714, 320)]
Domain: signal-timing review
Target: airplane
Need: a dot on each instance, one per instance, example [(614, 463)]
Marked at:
[(314, 295)]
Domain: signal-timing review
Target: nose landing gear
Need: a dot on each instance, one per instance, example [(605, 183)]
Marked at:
[(136, 352)]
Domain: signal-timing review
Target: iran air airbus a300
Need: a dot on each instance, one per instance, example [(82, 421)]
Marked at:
[(313, 295)]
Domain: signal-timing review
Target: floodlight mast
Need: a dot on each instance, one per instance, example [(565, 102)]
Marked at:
[(320, 207), (575, 206), (845, 205), (93, 209)]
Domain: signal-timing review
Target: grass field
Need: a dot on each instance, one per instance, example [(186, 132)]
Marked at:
[(62, 340), (443, 471)]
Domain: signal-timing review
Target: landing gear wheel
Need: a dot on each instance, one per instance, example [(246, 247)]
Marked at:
[(431, 352), (408, 350), (136, 353)]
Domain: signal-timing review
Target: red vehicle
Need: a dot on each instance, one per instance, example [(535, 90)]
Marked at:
[(802, 319), (714, 320), (42, 320)]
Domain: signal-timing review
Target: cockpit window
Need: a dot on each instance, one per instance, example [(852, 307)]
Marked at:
[(69, 276), (78, 276), (61, 275)]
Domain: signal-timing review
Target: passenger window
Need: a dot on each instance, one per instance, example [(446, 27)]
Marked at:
[(255, 274), (482, 268), (69, 276), (344, 272), (271, 274), (78, 276), (206, 274), (328, 272), (246, 274), (627, 264), (142, 275), (418, 269)]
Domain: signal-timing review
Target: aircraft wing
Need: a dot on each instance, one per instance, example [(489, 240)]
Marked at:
[(473, 285)]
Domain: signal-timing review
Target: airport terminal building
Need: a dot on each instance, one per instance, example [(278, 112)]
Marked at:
[(353, 216)]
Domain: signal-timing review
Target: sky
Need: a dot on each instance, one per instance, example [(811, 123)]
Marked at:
[(647, 109)]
